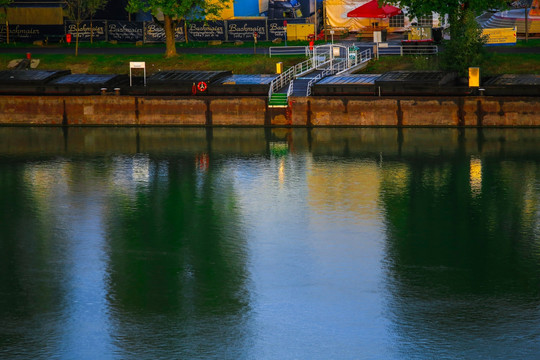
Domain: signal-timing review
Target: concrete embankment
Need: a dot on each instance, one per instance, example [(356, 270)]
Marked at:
[(253, 111)]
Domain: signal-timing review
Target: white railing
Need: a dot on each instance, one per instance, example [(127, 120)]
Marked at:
[(412, 49), (419, 49), (331, 67), (315, 79), (288, 50), (286, 77), (290, 90), (337, 67)]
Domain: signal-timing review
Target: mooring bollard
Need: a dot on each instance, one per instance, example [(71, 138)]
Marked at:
[(116, 91), (103, 91)]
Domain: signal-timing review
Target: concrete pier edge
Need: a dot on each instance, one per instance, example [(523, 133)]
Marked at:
[(469, 111)]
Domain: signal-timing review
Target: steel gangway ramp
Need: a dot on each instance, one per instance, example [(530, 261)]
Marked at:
[(325, 60)]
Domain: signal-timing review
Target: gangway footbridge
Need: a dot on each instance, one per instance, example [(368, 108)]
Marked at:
[(325, 60)]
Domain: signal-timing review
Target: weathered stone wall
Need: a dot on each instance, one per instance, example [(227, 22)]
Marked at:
[(171, 111), (31, 110), (252, 111), (100, 110)]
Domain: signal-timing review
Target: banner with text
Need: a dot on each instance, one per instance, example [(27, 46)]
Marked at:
[(500, 36), (206, 30), (30, 33), (245, 29), (95, 31), (125, 31), (276, 30), (153, 32)]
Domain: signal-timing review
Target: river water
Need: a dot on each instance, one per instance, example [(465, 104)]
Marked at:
[(161, 243)]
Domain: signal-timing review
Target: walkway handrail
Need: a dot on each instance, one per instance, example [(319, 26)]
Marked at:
[(341, 66), (360, 58), (410, 49), (333, 67), (290, 90), (286, 77), (325, 73), (315, 79)]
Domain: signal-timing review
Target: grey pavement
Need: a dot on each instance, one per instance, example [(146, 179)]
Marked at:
[(128, 50), (201, 50)]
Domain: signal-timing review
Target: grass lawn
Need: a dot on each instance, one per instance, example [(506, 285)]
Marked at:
[(493, 64), (118, 64), (530, 43)]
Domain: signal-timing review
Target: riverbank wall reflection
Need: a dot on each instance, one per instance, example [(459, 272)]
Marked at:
[(463, 253), (269, 243), (90, 141)]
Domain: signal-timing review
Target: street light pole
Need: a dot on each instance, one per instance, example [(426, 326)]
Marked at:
[(526, 23), (315, 22), (324, 21), (285, 30)]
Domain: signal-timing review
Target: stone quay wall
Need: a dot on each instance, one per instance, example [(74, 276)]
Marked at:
[(253, 111)]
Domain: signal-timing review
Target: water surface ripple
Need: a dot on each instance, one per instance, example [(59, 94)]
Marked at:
[(159, 243)]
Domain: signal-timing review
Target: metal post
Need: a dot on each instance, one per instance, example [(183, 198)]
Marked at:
[(315, 23), (526, 23), (324, 21), (285, 30)]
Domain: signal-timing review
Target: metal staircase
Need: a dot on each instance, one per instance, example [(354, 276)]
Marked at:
[(278, 100), (298, 80)]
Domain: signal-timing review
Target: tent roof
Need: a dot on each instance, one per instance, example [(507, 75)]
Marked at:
[(372, 10)]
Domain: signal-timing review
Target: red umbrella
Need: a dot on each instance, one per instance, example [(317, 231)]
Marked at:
[(372, 10)]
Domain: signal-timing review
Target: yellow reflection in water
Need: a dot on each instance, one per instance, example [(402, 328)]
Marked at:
[(475, 170), (281, 171), (396, 178), (345, 188)]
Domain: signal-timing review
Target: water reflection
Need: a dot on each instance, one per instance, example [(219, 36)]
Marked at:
[(462, 256), (269, 243), (177, 262)]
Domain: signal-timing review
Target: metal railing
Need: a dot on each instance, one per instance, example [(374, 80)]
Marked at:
[(290, 90), (335, 67), (315, 79), (419, 50), (332, 67), (289, 50), (410, 49), (339, 66), (286, 77), (357, 58)]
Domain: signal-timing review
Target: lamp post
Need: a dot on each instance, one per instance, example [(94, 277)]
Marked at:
[(285, 30), (324, 21), (315, 23), (527, 23)]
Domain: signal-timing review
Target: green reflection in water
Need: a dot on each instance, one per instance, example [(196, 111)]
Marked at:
[(147, 222), (463, 253), (177, 259)]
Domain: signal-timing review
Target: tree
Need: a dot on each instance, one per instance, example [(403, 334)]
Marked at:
[(173, 12), (466, 40), (466, 47), (3, 16), (78, 11), (93, 6)]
